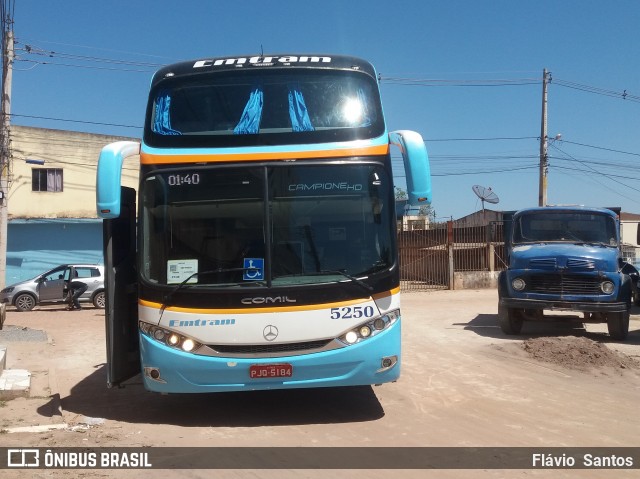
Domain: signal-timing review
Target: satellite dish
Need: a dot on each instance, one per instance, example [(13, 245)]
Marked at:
[(485, 194)]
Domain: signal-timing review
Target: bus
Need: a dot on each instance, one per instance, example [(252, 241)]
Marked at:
[(262, 252)]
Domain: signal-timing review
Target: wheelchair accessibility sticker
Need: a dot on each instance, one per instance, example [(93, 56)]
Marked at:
[(253, 269)]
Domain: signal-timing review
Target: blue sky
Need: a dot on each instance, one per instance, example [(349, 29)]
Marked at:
[(478, 65)]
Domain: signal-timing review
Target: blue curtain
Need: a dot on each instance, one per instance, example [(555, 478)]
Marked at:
[(162, 120), (298, 113), (250, 120)]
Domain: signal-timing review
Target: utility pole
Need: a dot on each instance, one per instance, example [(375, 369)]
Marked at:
[(544, 158), (5, 144)]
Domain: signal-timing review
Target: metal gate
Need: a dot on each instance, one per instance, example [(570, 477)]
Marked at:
[(424, 258), (431, 253)]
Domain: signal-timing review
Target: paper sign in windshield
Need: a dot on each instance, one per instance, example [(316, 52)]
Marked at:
[(179, 270)]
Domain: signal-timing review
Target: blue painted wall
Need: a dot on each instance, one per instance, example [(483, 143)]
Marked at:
[(36, 245)]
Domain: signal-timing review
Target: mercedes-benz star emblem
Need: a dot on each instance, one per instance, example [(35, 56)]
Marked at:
[(270, 332)]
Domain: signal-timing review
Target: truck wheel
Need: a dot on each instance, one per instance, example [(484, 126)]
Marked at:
[(24, 302), (510, 320), (618, 325)]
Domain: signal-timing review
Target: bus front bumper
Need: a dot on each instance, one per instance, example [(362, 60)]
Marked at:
[(168, 370)]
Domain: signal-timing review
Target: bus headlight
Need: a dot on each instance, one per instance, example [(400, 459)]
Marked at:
[(370, 328), (169, 338), (365, 331), (351, 337), (188, 345)]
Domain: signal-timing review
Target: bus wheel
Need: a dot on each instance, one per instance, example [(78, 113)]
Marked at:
[(618, 325), (510, 320)]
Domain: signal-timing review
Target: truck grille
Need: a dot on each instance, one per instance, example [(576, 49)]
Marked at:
[(577, 264), (564, 284), (543, 263)]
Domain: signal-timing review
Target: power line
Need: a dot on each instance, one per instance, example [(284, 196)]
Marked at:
[(597, 90), (606, 175), (439, 82), (601, 148), (74, 121), (88, 67), (496, 138)]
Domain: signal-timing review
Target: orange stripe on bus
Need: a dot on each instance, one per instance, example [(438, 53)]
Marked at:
[(277, 309), (153, 159)]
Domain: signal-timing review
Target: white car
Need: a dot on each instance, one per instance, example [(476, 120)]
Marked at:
[(51, 287)]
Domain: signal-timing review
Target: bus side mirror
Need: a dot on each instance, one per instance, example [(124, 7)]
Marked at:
[(109, 175), (416, 165)]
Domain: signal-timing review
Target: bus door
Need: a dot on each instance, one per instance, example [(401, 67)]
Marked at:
[(121, 310)]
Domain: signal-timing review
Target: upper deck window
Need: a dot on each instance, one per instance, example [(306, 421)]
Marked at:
[(250, 108)]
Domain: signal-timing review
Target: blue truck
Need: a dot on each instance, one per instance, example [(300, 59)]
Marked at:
[(565, 259)]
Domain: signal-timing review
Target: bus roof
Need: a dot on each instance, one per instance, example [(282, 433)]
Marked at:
[(265, 61)]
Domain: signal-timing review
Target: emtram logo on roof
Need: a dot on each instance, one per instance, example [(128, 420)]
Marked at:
[(260, 60)]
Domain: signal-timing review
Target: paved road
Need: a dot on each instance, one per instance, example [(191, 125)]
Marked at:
[(463, 383)]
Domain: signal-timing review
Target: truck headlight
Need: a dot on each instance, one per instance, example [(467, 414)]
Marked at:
[(607, 287), (518, 284)]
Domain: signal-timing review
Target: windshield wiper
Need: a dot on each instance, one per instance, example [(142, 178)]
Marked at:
[(342, 273), (168, 296)]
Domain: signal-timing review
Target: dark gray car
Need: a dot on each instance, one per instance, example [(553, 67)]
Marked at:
[(51, 287)]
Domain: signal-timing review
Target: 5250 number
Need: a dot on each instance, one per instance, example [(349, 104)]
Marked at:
[(352, 312)]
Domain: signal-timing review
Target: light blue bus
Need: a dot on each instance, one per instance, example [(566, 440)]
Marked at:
[(262, 253)]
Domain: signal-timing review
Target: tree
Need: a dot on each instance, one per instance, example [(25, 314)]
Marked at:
[(400, 193)]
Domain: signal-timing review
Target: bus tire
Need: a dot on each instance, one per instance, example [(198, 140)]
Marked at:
[(510, 320), (618, 325)]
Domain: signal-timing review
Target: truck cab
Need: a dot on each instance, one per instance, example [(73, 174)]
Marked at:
[(565, 259)]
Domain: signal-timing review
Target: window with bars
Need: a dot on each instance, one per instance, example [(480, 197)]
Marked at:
[(46, 179)]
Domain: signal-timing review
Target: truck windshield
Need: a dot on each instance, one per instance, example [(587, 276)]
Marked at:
[(266, 225), (569, 227), (229, 109)]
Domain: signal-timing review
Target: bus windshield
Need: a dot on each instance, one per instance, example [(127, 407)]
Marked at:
[(225, 109), (565, 226), (275, 225)]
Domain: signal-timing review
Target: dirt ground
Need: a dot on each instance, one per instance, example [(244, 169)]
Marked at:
[(463, 383)]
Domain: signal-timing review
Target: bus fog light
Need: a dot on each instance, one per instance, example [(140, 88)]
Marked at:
[(387, 363), (607, 287), (518, 284), (365, 331), (351, 337), (188, 345), (154, 374)]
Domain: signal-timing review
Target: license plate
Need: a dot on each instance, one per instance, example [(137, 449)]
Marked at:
[(267, 371)]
